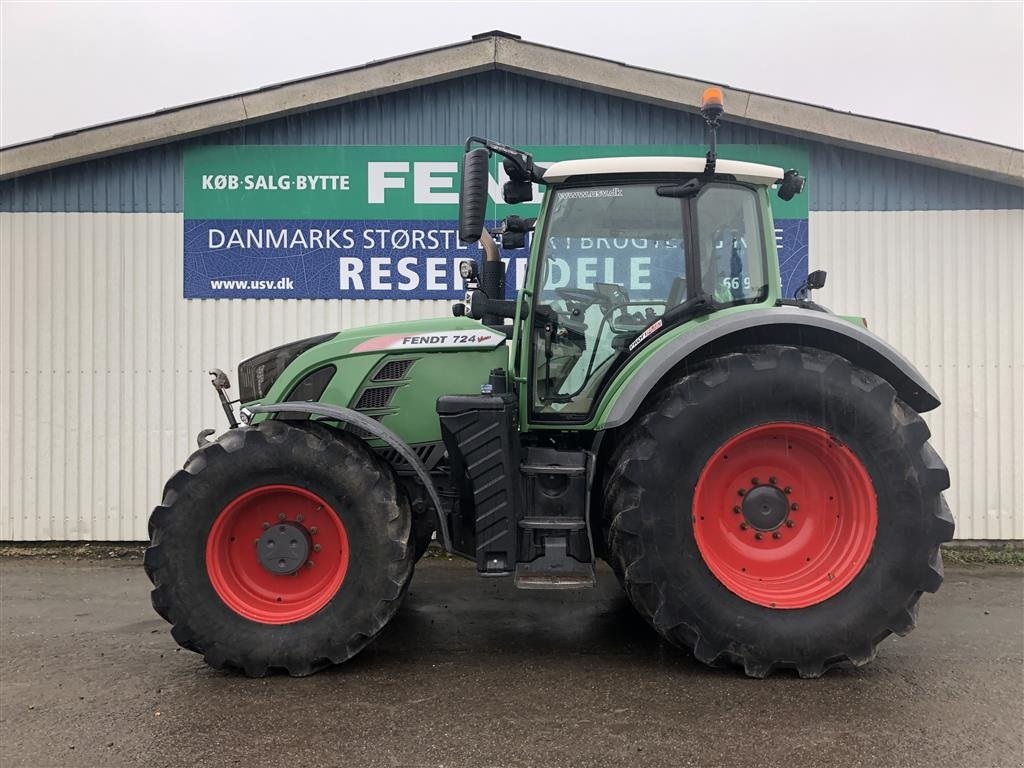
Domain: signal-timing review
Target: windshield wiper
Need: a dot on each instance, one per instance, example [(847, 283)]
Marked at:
[(688, 189)]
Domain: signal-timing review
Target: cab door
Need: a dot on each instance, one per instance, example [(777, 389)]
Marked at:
[(610, 260)]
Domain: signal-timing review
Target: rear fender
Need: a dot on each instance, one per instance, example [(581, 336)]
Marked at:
[(777, 325)]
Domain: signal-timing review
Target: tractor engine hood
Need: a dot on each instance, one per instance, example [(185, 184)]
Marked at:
[(271, 375)]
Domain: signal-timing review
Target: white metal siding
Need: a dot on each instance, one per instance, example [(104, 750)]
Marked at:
[(946, 288), (103, 384)]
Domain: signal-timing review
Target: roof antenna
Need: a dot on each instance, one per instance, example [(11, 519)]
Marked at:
[(711, 108)]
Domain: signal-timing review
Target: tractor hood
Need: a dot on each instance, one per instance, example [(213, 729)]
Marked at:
[(380, 370)]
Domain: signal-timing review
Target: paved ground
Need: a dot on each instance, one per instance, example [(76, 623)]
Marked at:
[(474, 673)]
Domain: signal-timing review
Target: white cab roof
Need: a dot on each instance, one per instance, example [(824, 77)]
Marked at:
[(752, 173)]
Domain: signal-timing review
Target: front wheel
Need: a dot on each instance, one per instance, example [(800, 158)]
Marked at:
[(801, 525), (280, 547)]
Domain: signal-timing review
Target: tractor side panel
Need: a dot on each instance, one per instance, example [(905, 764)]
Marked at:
[(395, 372), (399, 389), (402, 389)]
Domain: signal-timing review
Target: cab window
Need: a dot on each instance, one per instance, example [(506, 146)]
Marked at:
[(733, 268)]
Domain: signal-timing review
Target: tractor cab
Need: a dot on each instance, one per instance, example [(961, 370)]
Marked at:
[(623, 256), (624, 249)]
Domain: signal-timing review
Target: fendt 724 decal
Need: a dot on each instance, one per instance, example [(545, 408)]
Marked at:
[(460, 339)]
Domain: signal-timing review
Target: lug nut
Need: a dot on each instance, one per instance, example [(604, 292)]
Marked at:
[(773, 479), (316, 547), (256, 542), (736, 510), (309, 563), (280, 516), (742, 492), (776, 535), (787, 489), (743, 526), (265, 526), (790, 523), (755, 481), (794, 506), (758, 536), (314, 531)]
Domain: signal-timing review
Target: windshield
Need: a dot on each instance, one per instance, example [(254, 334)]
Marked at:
[(613, 261)]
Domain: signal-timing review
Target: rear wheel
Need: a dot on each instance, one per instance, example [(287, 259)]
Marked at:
[(778, 508), (280, 547)]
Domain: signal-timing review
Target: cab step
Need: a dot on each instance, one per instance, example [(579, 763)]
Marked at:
[(553, 523), (555, 569), (577, 580)]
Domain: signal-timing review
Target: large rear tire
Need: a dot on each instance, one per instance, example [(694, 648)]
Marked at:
[(319, 498), (778, 507)]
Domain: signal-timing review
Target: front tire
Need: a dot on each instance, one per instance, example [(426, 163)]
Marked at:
[(279, 547), (802, 524)]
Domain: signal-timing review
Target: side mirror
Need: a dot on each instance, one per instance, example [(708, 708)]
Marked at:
[(473, 194), (814, 281), (792, 185)]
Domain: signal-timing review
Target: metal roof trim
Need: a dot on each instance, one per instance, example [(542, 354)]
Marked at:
[(501, 51)]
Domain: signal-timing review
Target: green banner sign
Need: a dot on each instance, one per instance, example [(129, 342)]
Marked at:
[(322, 221)]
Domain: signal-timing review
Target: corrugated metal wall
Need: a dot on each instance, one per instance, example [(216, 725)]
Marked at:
[(944, 287), (511, 108), (105, 388), (104, 384)]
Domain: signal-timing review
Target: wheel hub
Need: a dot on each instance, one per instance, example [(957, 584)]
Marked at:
[(277, 554), (284, 547), (797, 539), (765, 507)]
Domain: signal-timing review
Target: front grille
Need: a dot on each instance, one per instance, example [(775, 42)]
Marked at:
[(257, 374), (393, 370), (375, 397)]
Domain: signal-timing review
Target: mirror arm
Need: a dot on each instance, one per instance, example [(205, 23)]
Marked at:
[(523, 161)]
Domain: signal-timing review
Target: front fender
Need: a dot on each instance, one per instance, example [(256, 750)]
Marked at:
[(375, 428), (777, 325)]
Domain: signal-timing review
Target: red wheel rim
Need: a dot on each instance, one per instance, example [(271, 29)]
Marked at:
[(784, 515), (242, 581)]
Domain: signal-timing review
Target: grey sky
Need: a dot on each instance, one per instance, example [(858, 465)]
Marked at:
[(958, 67)]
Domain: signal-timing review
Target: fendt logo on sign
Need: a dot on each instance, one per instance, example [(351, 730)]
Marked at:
[(363, 222)]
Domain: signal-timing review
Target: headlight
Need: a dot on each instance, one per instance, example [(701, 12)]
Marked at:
[(257, 374)]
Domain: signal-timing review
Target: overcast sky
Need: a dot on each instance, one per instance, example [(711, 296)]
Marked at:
[(958, 67)]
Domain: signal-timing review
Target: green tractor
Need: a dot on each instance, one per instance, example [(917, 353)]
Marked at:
[(754, 469)]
